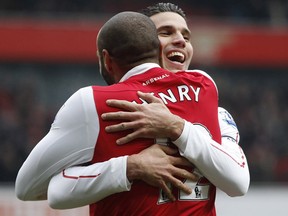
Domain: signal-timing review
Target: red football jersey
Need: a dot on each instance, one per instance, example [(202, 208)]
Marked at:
[(190, 95)]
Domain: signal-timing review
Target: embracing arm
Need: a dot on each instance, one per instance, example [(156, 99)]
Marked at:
[(156, 165), (60, 148), (71, 141), (82, 185), (224, 165)]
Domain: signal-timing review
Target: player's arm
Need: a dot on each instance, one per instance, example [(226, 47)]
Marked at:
[(224, 165), (61, 147), (82, 185), (156, 165), (70, 142)]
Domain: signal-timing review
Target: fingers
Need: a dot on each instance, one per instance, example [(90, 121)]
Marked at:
[(168, 150), (188, 175), (181, 186), (180, 161), (117, 116), (148, 97), (129, 112), (120, 127), (127, 138), (122, 104), (184, 174), (168, 191), (175, 182), (130, 106)]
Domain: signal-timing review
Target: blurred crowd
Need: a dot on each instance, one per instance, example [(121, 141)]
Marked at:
[(23, 121), (250, 10), (31, 95), (257, 99)]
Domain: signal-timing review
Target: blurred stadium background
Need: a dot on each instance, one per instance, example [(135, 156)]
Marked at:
[(47, 52)]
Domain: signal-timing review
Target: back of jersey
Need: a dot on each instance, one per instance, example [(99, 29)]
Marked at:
[(190, 95)]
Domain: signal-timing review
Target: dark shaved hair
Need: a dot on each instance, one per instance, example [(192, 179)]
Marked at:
[(163, 7), (130, 38)]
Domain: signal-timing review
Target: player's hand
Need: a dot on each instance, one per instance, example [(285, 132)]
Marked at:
[(149, 120), (158, 166)]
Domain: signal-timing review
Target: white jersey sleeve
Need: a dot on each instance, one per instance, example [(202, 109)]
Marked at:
[(70, 141), (223, 165), (79, 186)]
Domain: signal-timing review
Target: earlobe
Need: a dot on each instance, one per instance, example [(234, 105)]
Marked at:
[(107, 60)]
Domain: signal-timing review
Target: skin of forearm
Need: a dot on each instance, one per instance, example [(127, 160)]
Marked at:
[(175, 127), (133, 169)]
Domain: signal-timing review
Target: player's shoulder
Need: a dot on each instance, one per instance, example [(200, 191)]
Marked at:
[(80, 95), (73, 106), (197, 72), (82, 92)]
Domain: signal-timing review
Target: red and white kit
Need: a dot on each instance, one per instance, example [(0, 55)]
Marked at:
[(77, 136)]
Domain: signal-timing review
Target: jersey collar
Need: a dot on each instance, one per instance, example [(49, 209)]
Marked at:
[(138, 70)]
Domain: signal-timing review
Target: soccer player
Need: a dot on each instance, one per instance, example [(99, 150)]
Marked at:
[(80, 132)]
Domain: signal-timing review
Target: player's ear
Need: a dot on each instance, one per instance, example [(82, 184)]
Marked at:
[(107, 60)]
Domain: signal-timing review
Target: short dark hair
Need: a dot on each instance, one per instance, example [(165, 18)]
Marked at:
[(162, 7), (130, 38)]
